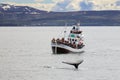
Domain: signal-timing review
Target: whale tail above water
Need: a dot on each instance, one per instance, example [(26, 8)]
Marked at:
[(75, 64)]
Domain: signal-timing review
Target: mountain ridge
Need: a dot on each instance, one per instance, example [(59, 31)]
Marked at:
[(11, 15)]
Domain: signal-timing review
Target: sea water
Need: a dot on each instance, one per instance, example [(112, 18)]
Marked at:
[(25, 54)]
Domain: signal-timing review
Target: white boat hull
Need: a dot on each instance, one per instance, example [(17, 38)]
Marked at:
[(61, 48)]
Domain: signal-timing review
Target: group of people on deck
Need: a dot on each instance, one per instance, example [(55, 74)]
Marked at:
[(70, 42)]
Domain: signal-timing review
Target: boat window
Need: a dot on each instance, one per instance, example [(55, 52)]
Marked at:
[(72, 35), (72, 39), (73, 27)]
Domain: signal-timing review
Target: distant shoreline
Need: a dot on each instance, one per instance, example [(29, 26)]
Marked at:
[(56, 26), (28, 16)]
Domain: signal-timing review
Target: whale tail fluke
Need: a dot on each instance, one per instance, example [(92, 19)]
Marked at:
[(75, 64)]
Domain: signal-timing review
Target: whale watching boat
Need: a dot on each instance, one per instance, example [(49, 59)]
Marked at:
[(72, 43)]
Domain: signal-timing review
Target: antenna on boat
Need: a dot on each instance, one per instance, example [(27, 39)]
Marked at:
[(65, 29), (78, 24)]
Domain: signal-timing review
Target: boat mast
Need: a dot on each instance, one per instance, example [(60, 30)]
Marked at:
[(78, 25), (65, 30)]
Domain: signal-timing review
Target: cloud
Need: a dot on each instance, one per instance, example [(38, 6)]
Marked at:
[(76, 5), (105, 5), (38, 0), (85, 5), (61, 6), (39, 6), (118, 3), (56, 1), (71, 5), (67, 5)]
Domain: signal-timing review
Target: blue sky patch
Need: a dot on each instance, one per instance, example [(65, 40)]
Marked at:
[(118, 3), (47, 1), (86, 5), (61, 6)]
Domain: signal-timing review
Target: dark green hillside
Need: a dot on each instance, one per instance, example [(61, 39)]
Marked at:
[(23, 15)]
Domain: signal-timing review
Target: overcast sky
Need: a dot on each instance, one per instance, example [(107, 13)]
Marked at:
[(67, 5)]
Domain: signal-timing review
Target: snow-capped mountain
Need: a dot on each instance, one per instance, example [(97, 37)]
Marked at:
[(19, 9), (5, 6), (11, 15)]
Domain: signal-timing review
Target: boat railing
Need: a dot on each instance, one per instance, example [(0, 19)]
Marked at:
[(64, 42)]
